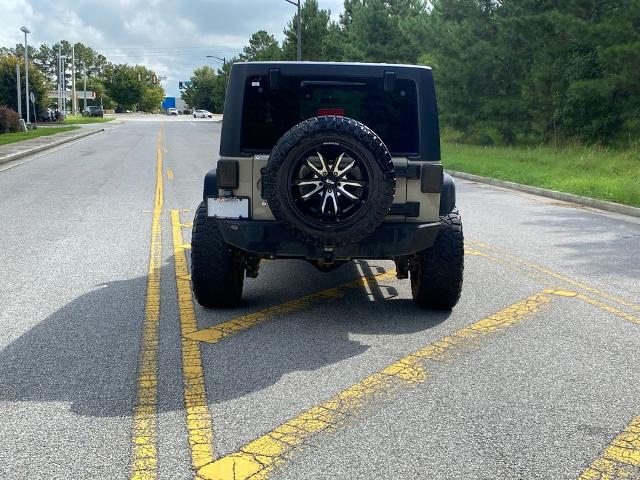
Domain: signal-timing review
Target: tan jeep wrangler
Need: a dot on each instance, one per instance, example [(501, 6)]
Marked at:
[(328, 162)]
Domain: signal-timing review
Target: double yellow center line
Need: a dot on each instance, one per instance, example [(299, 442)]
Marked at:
[(144, 435)]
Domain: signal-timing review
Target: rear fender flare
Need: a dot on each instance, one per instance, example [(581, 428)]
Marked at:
[(210, 185), (447, 195)]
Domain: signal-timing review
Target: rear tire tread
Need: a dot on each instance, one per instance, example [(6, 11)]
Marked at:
[(436, 282), (217, 273)]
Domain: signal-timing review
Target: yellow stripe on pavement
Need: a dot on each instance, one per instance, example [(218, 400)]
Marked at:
[(558, 276), (258, 458), (218, 332), (144, 435), (621, 459), (596, 303), (199, 426), (169, 174)]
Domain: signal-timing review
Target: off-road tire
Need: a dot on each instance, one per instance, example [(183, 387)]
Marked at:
[(217, 273), (357, 136), (436, 278)]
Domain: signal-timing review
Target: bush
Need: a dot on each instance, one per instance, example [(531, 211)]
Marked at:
[(9, 120)]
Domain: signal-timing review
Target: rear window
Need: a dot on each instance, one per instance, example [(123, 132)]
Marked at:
[(268, 114)]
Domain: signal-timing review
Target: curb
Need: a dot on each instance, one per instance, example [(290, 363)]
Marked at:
[(42, 148), (543, 192)]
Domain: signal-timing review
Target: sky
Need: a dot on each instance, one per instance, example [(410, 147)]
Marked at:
[(172, 37)]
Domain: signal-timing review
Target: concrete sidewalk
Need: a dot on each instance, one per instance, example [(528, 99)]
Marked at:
[(17, 150)]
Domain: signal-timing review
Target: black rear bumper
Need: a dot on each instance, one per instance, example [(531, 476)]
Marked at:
[(268, 239)]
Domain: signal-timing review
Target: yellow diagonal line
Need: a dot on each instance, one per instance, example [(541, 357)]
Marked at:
[(258, 458), (558, 276), (199, 426), (621, 459), (218, 332), (596, 303), (144, 435)]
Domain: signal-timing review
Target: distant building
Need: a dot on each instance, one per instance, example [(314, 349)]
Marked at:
[(173, 102)]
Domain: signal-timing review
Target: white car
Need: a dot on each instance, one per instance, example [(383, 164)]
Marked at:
[(172, 111), (202, 114)]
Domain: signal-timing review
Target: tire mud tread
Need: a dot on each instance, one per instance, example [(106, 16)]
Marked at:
[(217, 276), (437, 282)]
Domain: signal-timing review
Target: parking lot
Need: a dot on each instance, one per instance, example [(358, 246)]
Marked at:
[(110, 369)]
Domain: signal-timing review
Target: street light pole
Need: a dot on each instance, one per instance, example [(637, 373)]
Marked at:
[(84, 68), (74, 101), (224, 71), (298, 3), (59, 81), (61, 67), (26, 70), (18, 81)]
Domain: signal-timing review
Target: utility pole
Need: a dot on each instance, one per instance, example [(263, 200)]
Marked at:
[(224, 71), (19, 87), (26, 70), (62, 104), (74, 103), (64, 82), (84, 68), (59, 81), (298, 3)]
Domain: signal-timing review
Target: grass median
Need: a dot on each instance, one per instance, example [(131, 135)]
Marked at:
[(588, 171), (7, 138), (80, 120)]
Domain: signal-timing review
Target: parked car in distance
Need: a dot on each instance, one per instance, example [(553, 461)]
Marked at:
[(202, 114), (172, 111), (47, 115), (93, 111)]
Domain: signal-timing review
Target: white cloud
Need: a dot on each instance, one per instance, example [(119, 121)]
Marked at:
[(171, 36)]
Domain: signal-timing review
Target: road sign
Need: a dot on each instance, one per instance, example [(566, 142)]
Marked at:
[(68, 94), (32, 97)]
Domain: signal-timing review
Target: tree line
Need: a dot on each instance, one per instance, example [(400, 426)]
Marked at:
[(507, 71), (117, 86)]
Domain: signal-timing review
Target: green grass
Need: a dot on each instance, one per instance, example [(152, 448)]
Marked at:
[(6, 138), (588, 171), (79, 119)]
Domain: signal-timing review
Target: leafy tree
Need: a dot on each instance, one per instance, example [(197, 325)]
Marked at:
[(206, 90), (262, 47), (374, 33), (151, 99), (315, 30), (8, 92), (123, 86)]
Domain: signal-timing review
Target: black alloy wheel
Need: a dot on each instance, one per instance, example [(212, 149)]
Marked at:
[(329, 183)]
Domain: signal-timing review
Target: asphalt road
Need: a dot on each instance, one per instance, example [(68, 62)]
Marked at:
[(108, 368)]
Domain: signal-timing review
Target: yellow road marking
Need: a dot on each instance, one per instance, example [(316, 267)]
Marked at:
[(596, 303), (580, 296), (506, 264), (144, 435), (258, 458), (621, 459), (199, 426), (186, 224), (169, 174), (218, 332), (559, 276)]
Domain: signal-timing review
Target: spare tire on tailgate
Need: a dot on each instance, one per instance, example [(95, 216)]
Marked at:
[(330, 180)]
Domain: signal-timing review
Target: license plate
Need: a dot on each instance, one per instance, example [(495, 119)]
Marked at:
[(228, 207)]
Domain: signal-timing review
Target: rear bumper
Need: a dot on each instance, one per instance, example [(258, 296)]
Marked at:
[(268, 239)]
